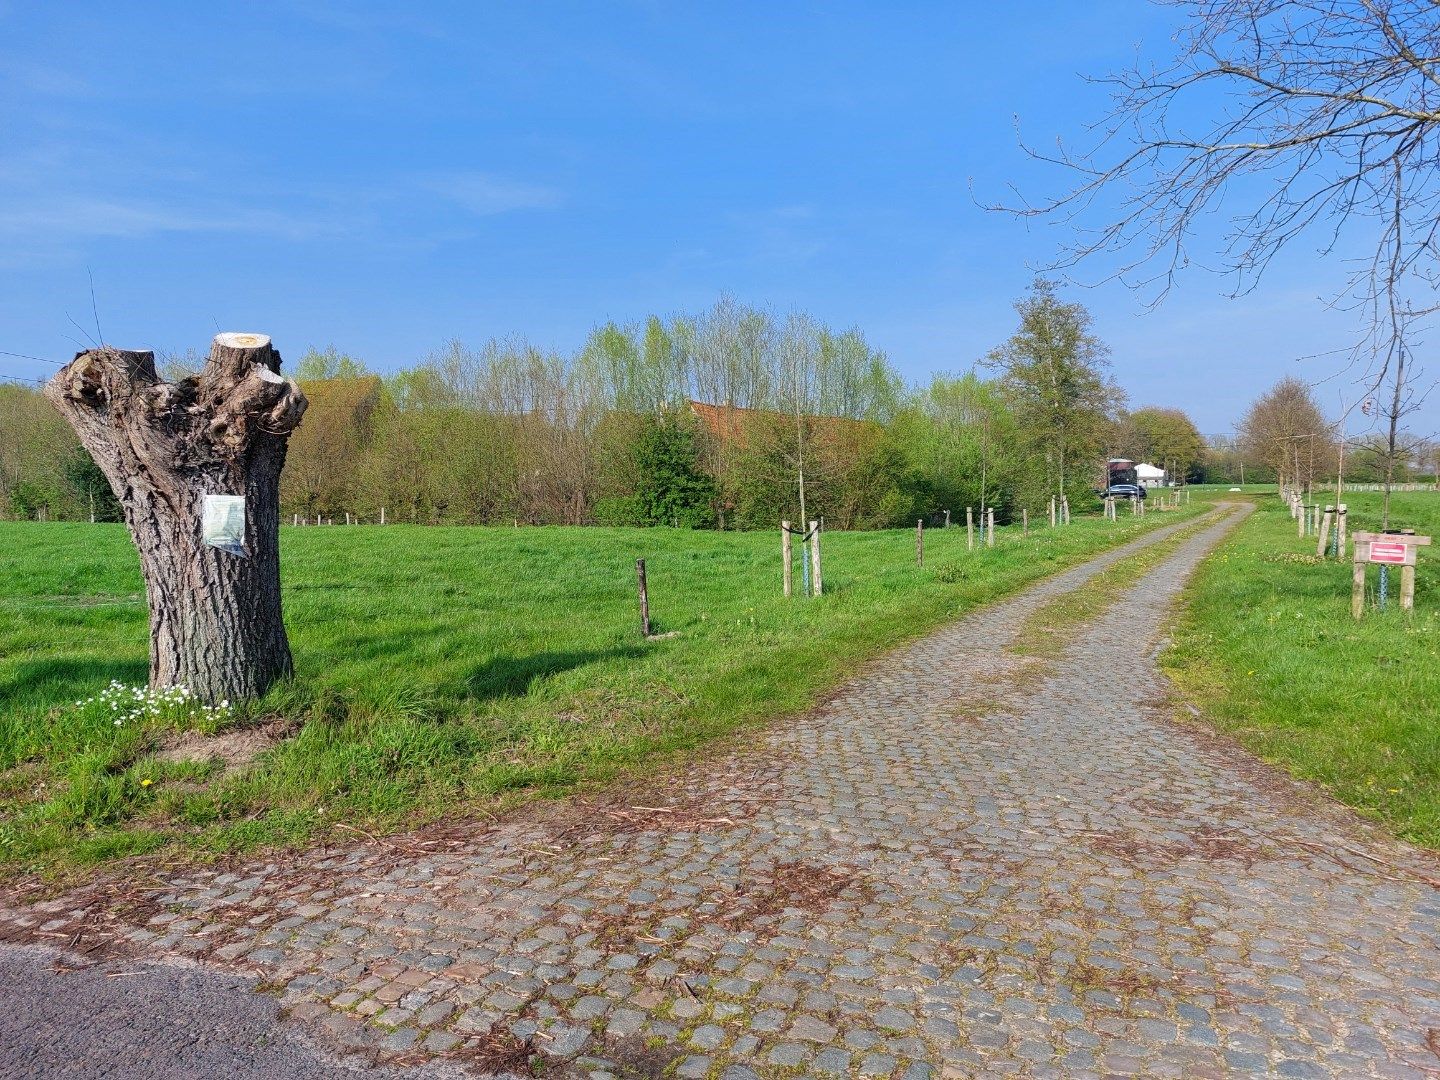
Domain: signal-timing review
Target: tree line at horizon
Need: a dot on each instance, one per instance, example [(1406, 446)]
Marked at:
[(610, 435)]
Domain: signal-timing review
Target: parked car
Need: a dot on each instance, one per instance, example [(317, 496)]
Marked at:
[(1124, 491)]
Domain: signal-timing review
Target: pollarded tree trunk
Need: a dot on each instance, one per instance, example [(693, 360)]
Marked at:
[(215, 621)]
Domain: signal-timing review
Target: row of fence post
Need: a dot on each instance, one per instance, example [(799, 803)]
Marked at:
[(320, 519)]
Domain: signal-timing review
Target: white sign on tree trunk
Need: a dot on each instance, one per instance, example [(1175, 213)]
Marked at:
[(223, 523)]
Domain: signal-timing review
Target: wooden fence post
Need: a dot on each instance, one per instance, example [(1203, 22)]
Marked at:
[(785, 556), (815, 556), (1357, 586), (644, 597), (1325, 532), (1407, 587), (969, 528), (990, 529), (947, 519), (382, 515), (920, 542), (1340, 523), (1024, 522)]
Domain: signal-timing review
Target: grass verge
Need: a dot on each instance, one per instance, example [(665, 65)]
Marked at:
[(442, 670), (1267, 649)]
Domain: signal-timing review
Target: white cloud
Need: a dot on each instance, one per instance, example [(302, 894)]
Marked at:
[(485, 194), (64, 217)]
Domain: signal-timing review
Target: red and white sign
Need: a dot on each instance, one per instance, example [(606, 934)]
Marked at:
[(1387, 553)]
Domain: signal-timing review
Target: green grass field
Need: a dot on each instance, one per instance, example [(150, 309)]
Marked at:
[(1267, 648), (447, 669)]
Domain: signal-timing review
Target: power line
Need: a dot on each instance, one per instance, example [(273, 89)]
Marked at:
[(27, 356)]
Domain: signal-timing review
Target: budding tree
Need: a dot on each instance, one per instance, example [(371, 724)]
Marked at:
[(215, 620), (1291, 118)]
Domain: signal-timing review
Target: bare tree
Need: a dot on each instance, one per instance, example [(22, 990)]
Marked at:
[(215, 620), (1323, 115), (1284, 430)]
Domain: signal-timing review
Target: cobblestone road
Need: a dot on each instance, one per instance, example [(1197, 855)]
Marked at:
[(966, 863)]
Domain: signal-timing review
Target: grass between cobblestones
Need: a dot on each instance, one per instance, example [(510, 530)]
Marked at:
[(1047, 633), (1267, 649), (443, 670)]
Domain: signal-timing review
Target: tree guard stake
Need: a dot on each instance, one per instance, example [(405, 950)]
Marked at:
[(644, 597)]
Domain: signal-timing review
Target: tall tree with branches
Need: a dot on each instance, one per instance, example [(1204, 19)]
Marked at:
[(1053, 368), (1305, 118)]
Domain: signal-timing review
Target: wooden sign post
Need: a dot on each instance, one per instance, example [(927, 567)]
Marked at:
[(1386, 549)]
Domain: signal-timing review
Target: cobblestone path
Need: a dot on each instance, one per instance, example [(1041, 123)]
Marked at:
[(965, 863)]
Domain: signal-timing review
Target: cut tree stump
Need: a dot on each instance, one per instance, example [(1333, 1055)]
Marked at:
[(215, 619)]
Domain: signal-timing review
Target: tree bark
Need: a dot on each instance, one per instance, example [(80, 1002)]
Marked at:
[(215, 618)]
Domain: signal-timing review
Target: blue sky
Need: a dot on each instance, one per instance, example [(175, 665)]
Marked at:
[(384, 177)]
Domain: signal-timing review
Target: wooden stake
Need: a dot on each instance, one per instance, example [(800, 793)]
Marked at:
[(1340, 523), (920, 542), (815, 556), (1052, 511), (1325, 532), (1300, 520), (969, 528), (1024, 522), (990, 529), (1407, 588), (786, 557), (644, 598), (382, 515), (1357, 590), (947, 519)]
